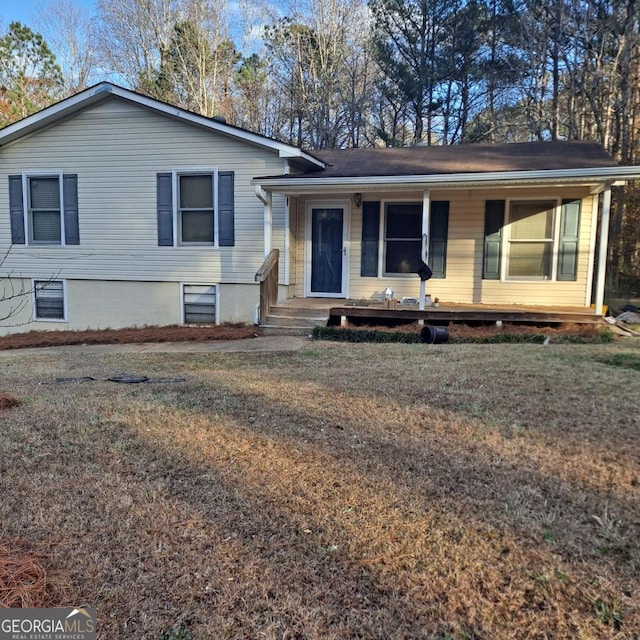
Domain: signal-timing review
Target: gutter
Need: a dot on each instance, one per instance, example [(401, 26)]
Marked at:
[(462, 180)]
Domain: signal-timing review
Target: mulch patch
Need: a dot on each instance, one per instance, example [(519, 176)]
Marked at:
[(7, 402), (24, 580), (172, 333)]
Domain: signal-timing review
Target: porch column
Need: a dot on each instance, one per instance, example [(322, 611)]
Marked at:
[(424, 248), (602, 248), (287, 230), (266, 198)]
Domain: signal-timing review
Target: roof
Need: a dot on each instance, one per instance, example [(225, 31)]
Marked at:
[(457, 166), (462, 158), (105, 91)]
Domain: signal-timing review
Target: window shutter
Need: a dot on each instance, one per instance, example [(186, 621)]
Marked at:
[(70, 197), (16, 210), (438, 233), (370, 238), (568, 249), (226, 209), (165, 209), (493, 223)]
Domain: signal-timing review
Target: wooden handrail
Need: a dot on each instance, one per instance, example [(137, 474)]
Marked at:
[(267, 276)]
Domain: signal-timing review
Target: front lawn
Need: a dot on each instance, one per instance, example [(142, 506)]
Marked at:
[(343, 491)]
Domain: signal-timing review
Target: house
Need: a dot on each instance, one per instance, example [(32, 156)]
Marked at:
[(120, 210)]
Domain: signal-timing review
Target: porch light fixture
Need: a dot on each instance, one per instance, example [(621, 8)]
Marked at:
[(357, 199)]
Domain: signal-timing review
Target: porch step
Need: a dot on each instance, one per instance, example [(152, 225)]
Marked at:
[(294, 321), (271, 330), (300, 312)]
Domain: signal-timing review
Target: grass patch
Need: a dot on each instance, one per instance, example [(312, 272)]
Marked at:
[(624, 360), (342, 491)]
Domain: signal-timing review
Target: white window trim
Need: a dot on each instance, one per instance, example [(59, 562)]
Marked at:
[(26, 175), (506, 241), (64, 300), (175, 188), (382, 253), (198, 284)]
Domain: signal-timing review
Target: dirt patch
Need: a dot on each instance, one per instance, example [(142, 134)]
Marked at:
[(7, 401), (24, 580), (172, 333)]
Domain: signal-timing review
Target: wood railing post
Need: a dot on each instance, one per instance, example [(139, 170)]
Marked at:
[(267, 276)]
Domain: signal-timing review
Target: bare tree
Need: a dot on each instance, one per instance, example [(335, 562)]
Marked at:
[(70, 31)]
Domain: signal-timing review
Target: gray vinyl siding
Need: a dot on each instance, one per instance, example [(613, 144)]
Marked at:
[(117, 149)]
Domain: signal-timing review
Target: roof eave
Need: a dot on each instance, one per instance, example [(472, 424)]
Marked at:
[(592, 176)]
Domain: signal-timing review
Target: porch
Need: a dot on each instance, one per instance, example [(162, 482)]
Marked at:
[(444, 313), (300, 315)]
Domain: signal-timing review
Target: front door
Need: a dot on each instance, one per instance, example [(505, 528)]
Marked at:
[(327, 251)]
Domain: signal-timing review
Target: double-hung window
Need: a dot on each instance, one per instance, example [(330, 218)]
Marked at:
[(196, 208), (44, 209), (531, 239), (403, 237)]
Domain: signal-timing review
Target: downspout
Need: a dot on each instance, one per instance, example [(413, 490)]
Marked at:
[(266, 199), (425, 237), (602, 249)]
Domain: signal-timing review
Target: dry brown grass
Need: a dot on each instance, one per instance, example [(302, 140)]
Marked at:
[(344, 491)]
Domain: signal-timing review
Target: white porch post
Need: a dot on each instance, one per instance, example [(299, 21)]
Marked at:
[(602, 248), (287, 230), (425, 237), (267, 199)]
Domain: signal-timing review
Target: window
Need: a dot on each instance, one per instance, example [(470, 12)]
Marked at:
[(44, 209), (531, 239), (403, 237), (196, 207), (199, 304), (49, 300), (196, 220)]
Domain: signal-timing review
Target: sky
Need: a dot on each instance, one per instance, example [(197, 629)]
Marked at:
[(24, 10)]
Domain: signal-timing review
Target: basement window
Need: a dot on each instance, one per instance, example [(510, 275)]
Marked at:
[(199, 304), (49, 300)]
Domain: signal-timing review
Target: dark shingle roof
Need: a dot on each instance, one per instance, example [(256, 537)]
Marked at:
[(467, 158)]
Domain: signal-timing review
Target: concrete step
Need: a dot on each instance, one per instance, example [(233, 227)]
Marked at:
[(300, 312), (270, 330), (297, 321)]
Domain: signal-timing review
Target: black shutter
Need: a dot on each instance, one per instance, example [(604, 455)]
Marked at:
[(165, 209), (438, 234), (70, 198), (568, 249), (493, 223), (226, 209), (16, 210), (370, 238)]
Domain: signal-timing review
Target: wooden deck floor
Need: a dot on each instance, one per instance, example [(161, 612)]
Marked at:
[(339, 308)]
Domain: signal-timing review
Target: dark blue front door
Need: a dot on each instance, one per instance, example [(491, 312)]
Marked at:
[(327, 245)]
